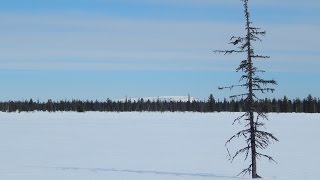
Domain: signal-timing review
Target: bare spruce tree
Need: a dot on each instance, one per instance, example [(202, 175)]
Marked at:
[(255, 138)]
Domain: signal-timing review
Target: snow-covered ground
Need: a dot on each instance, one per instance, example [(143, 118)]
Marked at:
[(148, 146)]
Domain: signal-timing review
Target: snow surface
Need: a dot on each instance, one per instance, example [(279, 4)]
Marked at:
[(148, 146)]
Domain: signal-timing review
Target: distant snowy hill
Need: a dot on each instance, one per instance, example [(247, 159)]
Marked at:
[(163, 98)]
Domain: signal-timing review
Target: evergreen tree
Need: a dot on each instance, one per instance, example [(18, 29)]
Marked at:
[(285, 105), (255, 138), (211, 104)]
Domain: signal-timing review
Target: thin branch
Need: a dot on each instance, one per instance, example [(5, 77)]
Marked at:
[(267, 156), (246, 171), (228, 51), (260, 56)]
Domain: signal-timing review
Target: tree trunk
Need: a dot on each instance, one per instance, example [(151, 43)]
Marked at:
[(250, 98), (253, 147)]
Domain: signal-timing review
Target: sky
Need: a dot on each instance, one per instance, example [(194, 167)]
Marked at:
[(99, 49)]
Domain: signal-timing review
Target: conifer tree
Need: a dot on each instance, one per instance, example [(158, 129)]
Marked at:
[(255, 138)]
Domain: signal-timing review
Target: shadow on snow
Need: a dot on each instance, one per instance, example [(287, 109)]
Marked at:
[(205, 175)]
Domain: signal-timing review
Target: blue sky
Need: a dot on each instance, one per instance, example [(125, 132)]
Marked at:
[(98, 49)]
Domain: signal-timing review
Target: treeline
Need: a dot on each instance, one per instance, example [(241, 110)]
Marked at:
[(306, 105)]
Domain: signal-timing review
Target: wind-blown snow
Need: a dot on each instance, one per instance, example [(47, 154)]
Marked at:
[(148, 146)]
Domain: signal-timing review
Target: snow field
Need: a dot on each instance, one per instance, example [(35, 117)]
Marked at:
[(148, 146)]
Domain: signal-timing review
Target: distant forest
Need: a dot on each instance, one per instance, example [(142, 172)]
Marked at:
[(307, 105)]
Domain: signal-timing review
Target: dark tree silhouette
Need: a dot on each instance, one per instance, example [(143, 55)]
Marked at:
[(250, 80), (307, 105)]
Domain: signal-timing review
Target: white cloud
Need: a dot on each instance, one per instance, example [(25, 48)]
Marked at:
[(106, 43), (208, 1), (297, 3), (172, 2), (287, 3)]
